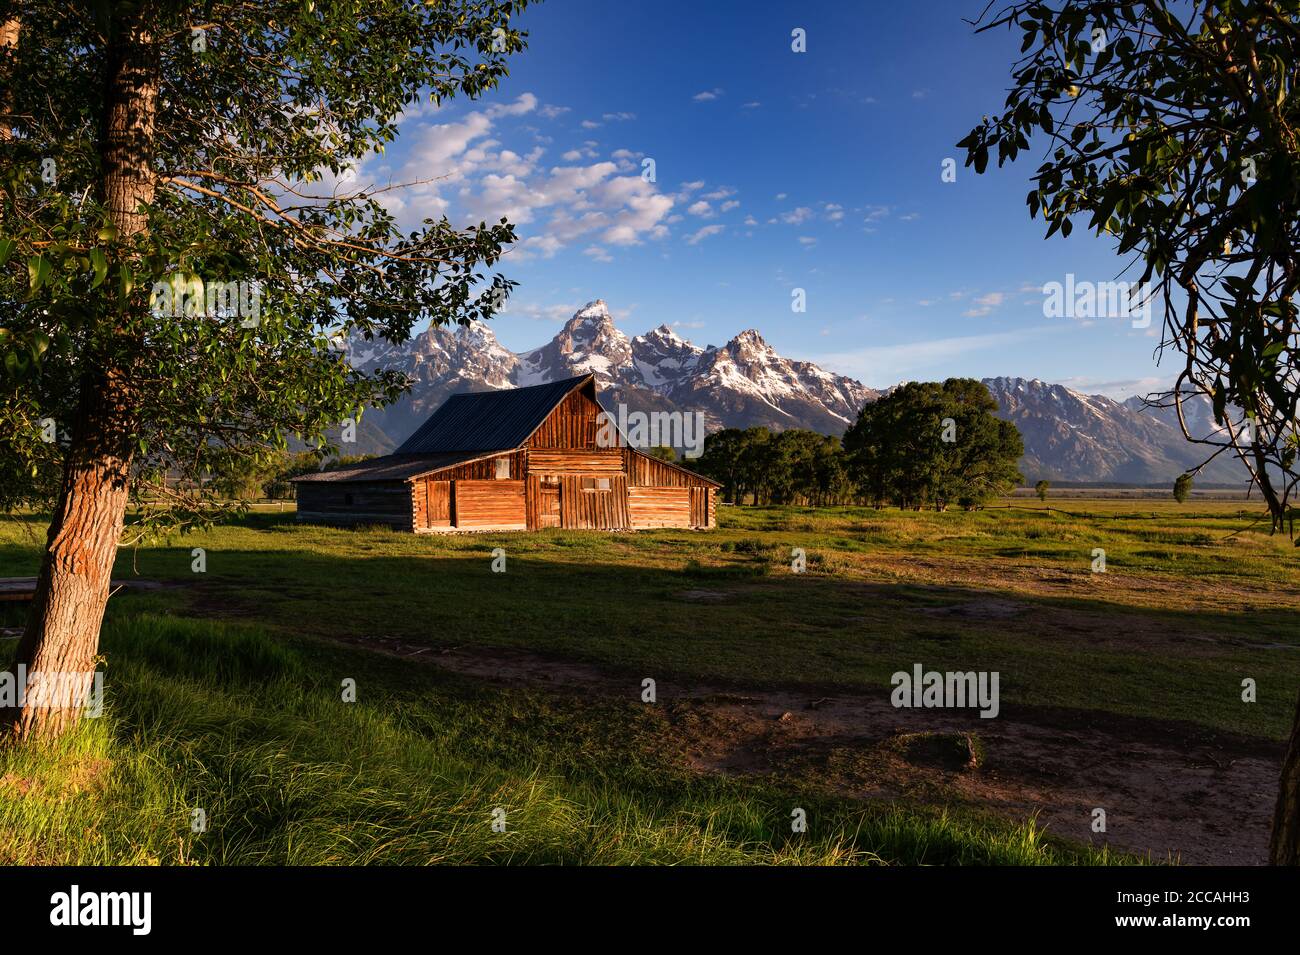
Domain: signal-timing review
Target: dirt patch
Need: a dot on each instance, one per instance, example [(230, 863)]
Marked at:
[(984, 609), (1169, 789), (703, 596)]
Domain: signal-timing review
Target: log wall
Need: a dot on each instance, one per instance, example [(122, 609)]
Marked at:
[(356, 502), (490, 504), (659, 506), (576, 462)]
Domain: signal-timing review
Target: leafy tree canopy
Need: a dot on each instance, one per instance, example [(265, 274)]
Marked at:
[(253, 249), (931, 443), (1171, 128)]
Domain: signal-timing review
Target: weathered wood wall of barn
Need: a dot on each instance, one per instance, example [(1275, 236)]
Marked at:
[(571, 425), (499, 505), (589, 508), (659, 506), (432, 504), (433, 497), (356, 502), (593, 461), (703, 506), (482, 470), (645, 471)]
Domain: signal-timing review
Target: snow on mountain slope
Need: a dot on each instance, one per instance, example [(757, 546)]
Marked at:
[(1069, 436)]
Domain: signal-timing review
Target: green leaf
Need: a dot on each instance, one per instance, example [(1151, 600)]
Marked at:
[(99, 262), (38, 270), (6, 249)]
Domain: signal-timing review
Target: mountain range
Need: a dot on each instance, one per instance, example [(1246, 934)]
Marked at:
[(1069, 436)]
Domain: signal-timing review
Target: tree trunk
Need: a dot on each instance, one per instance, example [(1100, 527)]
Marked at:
[(9, 33), (1284, 847), (62, 633)]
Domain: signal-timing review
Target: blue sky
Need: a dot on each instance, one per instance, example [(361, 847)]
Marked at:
[(774, 170)]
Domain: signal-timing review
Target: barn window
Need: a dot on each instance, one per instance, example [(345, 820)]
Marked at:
[(503, 469), (549, 480), (347, 497), (595, 484)]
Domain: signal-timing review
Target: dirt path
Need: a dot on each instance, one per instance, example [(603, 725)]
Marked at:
[(1168, 789)]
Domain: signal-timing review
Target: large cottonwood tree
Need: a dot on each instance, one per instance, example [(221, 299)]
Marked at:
[(149, 145), (1173, 128)]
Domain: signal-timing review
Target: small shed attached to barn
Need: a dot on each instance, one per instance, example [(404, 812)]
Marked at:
[(518, 459)]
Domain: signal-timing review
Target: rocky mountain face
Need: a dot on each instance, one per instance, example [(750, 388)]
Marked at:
[(1076, 437), (1068, 436), (741, 384)]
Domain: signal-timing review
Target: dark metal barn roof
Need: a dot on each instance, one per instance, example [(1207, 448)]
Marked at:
[(489, 420), (392, 467)]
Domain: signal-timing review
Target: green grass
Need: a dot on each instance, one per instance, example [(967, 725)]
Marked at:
[(224, 691), (1168, 632), (252, 730)]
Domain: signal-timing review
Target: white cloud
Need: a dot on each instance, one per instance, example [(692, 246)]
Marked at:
[(618, 117), (985, 305), (701, 208), (697, 237), (459, 169), (891, 363), (797, 215), (526, 103), (597, 253), (707, 95), (752, 105), (551, 112), (730, 204), (540, 313)]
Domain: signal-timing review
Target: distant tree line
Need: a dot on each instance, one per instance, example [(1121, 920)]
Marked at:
[(760, 466), (925, 444), (269, 475)]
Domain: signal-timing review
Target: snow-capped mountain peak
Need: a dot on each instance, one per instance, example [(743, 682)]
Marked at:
[(743, 383), (1068, 435)]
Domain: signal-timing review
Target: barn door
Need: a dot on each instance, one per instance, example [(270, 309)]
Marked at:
[(548, 501), (438, 504), (699, 507)]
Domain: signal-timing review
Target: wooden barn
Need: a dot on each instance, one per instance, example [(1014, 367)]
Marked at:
[(520, 459)]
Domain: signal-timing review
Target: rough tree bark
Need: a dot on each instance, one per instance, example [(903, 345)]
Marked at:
[(1284, 846), (62, 633), (9, 32)]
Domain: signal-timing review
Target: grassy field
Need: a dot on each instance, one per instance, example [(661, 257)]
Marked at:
[(224, 690)]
